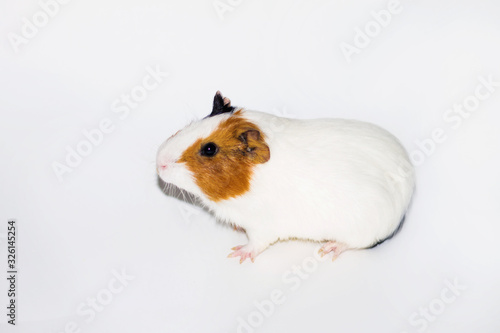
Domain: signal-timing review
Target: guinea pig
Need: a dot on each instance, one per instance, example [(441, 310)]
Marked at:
[(344, 182)]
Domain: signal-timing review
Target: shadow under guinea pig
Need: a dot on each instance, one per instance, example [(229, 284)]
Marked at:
[(184, 196), (173, 191)]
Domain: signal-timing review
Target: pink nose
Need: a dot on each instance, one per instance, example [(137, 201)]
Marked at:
[(160, 167)]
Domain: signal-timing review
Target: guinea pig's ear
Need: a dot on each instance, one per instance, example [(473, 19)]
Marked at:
[(255, 146), (221, 105)]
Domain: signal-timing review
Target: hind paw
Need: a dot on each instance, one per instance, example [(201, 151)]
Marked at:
[(335, 247)]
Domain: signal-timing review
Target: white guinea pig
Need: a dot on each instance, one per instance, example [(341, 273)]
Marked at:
[(344, 182)]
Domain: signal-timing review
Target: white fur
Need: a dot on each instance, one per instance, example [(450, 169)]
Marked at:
[(327, 179)]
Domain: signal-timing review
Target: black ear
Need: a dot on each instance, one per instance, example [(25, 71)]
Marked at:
[(221, 105)]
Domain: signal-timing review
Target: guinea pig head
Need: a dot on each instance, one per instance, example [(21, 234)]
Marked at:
[(215, 156)]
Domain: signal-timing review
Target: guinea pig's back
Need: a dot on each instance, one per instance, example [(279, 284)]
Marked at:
[(352, 174)]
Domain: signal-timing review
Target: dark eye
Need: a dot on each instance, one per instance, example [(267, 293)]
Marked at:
[(209, 149)]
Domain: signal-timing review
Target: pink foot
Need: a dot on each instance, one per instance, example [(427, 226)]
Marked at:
[(244, 252), (335, 247)]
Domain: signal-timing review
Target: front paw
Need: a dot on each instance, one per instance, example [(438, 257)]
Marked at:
[(244, 252)]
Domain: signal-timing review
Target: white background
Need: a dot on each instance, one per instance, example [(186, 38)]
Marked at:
[(284, 57)]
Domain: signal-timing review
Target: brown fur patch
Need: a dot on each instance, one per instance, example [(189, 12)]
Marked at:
[(241, 146)]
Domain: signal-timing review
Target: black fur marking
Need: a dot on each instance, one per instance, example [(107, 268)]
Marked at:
[(219, 107), (391, 235)]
